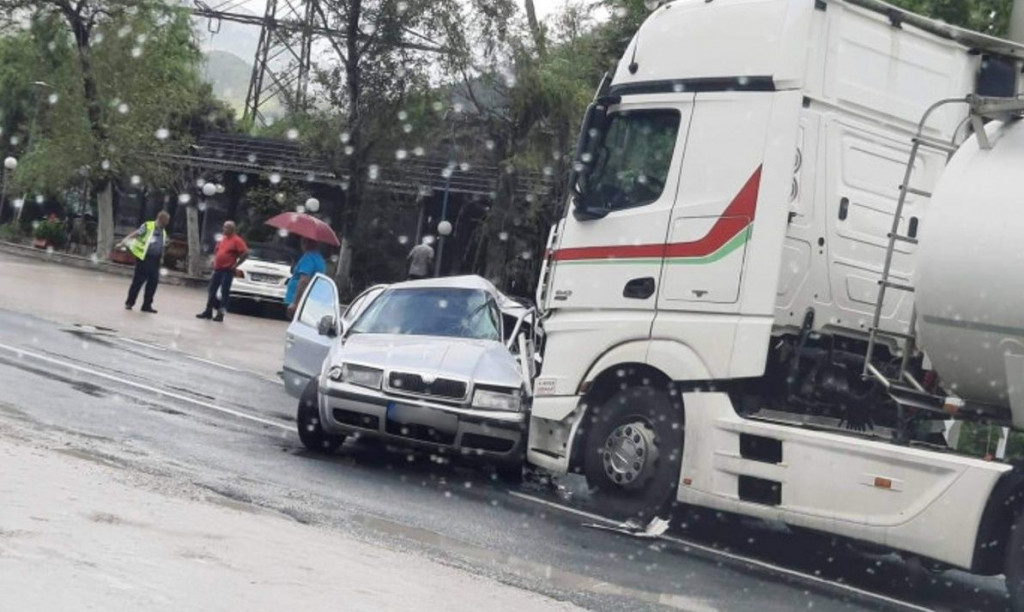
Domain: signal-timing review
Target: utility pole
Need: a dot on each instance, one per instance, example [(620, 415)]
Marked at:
[(1017, 21)]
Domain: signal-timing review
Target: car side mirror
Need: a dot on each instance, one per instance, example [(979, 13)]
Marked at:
[(326, 326)]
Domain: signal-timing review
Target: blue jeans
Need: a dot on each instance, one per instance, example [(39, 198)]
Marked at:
[(221, 280)]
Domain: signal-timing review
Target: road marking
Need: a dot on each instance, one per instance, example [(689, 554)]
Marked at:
[(732, 556), (23, 353), (148, 345), (159, 347), (213, 363)]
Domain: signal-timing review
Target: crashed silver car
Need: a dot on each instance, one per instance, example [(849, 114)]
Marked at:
[(439, 363)]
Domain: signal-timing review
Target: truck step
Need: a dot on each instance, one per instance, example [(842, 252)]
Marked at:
[(931, 143), (902, 238), (891, 334), (900, 286), (917, 192)]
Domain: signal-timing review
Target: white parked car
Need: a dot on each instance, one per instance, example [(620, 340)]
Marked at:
[(439, 363), (263, 277)]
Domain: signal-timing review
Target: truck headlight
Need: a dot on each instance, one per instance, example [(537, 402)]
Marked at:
[(357, 375), (509, 400)]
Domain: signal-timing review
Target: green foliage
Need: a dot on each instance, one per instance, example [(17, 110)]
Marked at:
[(13, 232), (988, 16), (50, 230), (105, 93)]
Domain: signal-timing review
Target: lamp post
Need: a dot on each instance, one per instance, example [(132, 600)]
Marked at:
[(443, 223), (10, 164)]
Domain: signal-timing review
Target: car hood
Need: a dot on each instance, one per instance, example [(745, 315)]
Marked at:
[(485, 362)]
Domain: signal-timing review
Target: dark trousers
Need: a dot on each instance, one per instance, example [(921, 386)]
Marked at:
[(221, 279), (147, 272)]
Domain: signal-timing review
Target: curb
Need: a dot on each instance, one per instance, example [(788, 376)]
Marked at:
[(87, 263)]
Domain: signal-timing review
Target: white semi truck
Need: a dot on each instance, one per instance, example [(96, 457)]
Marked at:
[(793, 251)]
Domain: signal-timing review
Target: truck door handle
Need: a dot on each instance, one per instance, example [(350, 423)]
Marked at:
[(639, 288)]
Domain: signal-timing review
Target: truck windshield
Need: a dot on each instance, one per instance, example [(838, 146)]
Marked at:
[(629, 162)]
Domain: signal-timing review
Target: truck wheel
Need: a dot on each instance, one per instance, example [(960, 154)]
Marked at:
[(1014, 569), (311, 432), (633, 452)]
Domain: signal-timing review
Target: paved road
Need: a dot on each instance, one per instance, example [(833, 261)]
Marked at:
[(159, 411), (150, 394)]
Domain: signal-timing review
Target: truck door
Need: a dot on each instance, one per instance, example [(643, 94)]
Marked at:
[(610, 260), (726, 229)]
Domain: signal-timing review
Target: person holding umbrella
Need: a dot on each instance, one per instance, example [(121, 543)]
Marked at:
[(312, 231), (309, 265)]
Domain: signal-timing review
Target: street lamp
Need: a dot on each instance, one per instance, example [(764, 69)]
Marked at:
[(10, 164), (448, 172)]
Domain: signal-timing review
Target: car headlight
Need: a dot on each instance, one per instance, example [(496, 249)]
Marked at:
[(356, 375), (509, 400)]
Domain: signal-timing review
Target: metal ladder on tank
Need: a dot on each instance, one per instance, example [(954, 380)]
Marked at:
[(903, 388)]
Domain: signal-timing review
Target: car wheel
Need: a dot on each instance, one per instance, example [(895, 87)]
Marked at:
[(311, 431), (633, 452)]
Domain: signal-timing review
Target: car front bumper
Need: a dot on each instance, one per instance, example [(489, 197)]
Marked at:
[(349, 409)]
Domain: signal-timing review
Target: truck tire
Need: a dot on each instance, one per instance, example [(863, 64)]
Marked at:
[(311, 432), (1014, 569), (633, 452)]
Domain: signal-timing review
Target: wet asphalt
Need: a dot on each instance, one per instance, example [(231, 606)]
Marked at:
[(157, 411)]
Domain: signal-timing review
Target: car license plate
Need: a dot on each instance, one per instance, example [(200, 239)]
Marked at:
[(265, 278), (417, 415)]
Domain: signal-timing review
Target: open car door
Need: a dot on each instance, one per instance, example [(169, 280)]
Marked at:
[(305, 347)]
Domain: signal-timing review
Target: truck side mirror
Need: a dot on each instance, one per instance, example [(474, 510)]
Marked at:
[(326, 326)]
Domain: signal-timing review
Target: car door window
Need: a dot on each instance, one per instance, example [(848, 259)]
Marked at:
[(321, 300)]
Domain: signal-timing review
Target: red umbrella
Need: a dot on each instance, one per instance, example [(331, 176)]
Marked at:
[(306, 226)]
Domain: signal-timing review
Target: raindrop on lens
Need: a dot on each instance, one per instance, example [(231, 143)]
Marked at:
[(184, 198), (274, 178), (53, 99), (136, 180), (402, 115), (402, 7), (407, 128), (163, 134), (418, 151), (279, 196), (300, 209), (490, 145), (283, 233), (403, 239), (122, 108), (373, 171), (292, 134), (349, 150), (136, 51), (243, 178), (105, 165), (344, 137), (464, 166), (401, 154), (503, 236)]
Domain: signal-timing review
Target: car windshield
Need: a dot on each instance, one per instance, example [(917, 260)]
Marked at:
[(271, 254), (448, 312)]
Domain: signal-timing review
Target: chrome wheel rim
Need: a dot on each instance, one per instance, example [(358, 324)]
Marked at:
[(629, 454)]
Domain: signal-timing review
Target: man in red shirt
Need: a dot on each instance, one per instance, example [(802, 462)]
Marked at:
[(229, 253)]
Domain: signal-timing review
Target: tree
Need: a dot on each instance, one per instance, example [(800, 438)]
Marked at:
[(385, 57), (121, 83), (987, 16)]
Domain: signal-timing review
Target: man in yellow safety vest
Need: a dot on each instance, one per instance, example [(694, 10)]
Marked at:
[(147, 245)]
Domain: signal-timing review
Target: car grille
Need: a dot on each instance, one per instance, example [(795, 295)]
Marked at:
[(405, 382)]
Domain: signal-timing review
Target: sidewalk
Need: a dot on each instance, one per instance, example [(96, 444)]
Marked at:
[(95, 297), (90, 263), (85, 540)]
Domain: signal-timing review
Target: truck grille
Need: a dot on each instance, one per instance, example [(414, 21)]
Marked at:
[(447, 388)]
